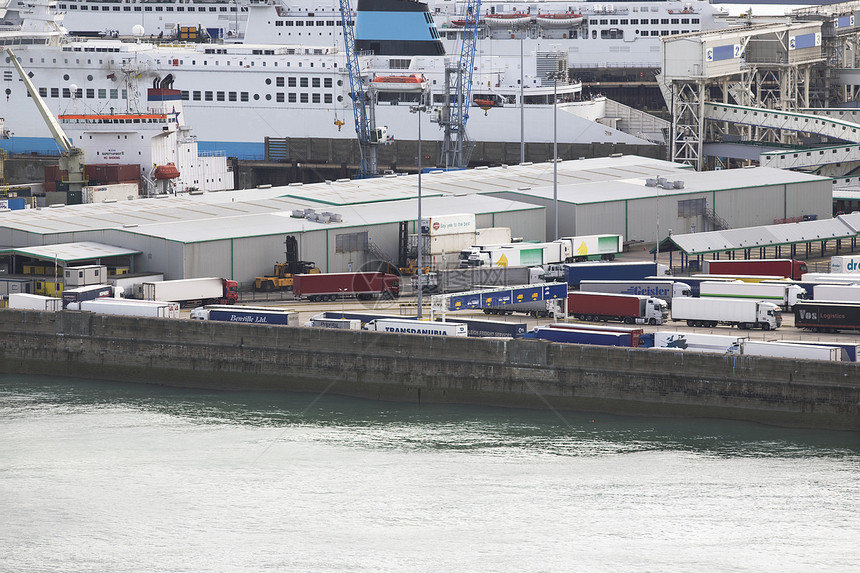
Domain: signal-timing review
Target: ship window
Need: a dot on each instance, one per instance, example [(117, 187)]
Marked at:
[(299, 23), (268, 81), (315, 82), (185, 95), (613, 22), (664, 32), (243, 96), (55, 92), (147, 8), (594, 34), (327, 98), (291, 98), (664, 21), (340, 83), (159, 9), (207, 96), (180, 8), (85, 7), (268, 97), (593, 22), (654, 21), (196, 95), (634, 22), (66, 93), (288, 23), (102, 93), (310, 23), (674, 20), (212, 9), (695, 20), (43, 92), (327, 82), (116, 9), (604, 22), (222, 9), (303, 82), (137, 8), (315, 98), (256, 97), (279, 82), (320, 23), (279, 23), (114, 94), (303, 98), (91, 93), (291, 82), (685, 20), (66, 77), (279, 97), (624, 22), (190, 8), (231, 96), (219, 96)]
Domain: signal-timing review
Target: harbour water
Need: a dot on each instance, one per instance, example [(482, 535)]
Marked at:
[(98, 476)]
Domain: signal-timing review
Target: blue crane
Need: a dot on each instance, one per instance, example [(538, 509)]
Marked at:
[(456, 147), (369, 136)]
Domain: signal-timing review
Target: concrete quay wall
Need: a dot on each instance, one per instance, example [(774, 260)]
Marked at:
[(513, 373)]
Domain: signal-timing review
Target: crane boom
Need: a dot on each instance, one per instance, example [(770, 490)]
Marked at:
[(53, 125), (456, 147), (363, 119)]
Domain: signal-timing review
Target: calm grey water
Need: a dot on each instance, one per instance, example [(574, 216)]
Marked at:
[(114, 477)]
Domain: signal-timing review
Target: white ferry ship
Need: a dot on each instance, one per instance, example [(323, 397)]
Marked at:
[(236, 95), (596, 34)]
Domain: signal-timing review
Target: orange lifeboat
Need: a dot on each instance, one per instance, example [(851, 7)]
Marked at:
[(168, 171), (407, 83)]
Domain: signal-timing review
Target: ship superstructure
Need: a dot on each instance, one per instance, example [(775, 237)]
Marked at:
[(236, 94)]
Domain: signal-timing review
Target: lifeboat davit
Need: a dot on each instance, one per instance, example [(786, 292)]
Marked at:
[(511, 19), (168, 171), (559, 20), (407, 83)]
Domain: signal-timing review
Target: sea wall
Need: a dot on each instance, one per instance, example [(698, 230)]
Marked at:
[(513, 373)]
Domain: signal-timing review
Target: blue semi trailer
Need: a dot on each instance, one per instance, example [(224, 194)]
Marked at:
[(572, 336), (246, 315), (574, 273)]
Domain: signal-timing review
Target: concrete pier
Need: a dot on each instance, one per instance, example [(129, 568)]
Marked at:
[(512, 373)]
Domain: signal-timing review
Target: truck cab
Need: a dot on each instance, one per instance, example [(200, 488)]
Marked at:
[(657, 309)]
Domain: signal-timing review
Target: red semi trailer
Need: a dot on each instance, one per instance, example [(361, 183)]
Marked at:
[(789, 268), (330, 286), (628, 308)]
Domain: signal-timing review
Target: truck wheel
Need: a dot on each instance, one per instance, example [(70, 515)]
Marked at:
[(582, 317), (651, 321), (713, 323), (691, 323), (765, 326), (629, 320)]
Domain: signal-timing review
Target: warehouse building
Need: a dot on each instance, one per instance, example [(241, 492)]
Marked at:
[(644, 205), (241, 237)]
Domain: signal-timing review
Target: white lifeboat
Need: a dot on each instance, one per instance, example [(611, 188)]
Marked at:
[(404, 83), (559, 20), (507, 19)]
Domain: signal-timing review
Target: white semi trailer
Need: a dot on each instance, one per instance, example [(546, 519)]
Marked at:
[(785, 295), (709, 312)]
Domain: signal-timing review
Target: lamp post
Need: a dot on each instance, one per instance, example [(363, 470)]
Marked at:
[(554, 76), (522, 102), (417, 109)]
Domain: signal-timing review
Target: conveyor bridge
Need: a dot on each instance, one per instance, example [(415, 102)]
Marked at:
[(783, 120)]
